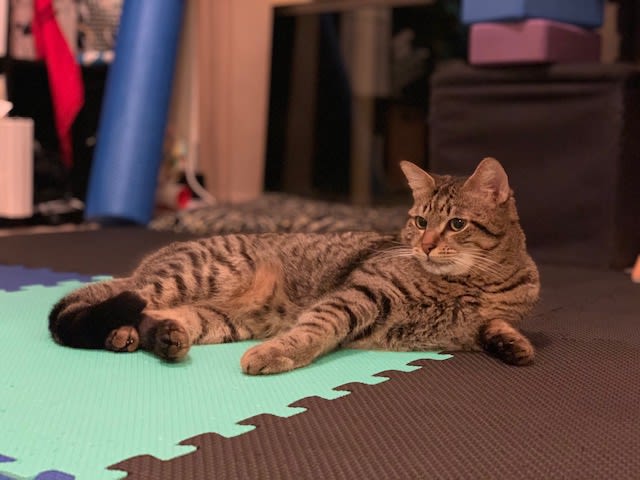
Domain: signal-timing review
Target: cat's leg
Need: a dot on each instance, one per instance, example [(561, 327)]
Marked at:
[(170, 332), (107, 314), (318, 330), (503, 341), (88, 316)]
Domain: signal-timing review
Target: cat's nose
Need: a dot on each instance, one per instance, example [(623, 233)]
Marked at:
[(427, 247), (430, 240)]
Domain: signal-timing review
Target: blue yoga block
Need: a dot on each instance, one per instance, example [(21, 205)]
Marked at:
[(585, 13)]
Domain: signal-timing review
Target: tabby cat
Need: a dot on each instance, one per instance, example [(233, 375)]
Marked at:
[(457, 277)]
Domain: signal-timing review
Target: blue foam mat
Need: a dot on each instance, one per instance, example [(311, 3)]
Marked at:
[(13, 277)]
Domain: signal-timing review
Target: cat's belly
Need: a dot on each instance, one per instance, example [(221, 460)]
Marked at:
[(446, 326), (269, 320), (418, 341)]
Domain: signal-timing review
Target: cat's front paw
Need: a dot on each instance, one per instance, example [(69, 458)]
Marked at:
[(513, 352), (503, 341), (268, 357)]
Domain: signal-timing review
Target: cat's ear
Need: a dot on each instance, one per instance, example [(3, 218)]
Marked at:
[(422, 184), (489, 181)]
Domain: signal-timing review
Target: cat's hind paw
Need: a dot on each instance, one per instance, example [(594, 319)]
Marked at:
[(123, 339)]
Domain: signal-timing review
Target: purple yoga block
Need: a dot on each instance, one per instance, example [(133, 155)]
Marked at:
[(532, 41)]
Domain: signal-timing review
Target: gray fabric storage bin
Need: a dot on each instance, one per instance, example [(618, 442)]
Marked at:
[(569, 139)]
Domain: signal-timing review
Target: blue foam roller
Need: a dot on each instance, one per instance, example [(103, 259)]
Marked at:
[(132, 124), (585, 13)]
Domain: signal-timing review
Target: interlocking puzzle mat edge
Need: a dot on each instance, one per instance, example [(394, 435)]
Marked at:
[(106, 407)]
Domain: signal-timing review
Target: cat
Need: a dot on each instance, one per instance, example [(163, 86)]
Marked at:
[(456, 277)]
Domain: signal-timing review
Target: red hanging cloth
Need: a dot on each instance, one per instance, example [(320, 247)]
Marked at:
[(65, 76)]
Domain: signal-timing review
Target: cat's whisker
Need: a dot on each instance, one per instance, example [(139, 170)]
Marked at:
[(488, 267), (482, 264), (481, 256), (395, 252), (395, 256), (485, 269)]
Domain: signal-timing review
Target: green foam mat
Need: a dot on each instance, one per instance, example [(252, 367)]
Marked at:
[(79, 411)]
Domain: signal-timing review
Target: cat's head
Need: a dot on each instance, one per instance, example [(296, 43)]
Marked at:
[(462, 224)]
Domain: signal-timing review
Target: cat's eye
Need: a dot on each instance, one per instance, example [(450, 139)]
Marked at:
[(457, 224), (421, 222)]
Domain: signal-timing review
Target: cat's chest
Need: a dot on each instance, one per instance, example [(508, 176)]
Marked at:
[(444, 302), (441, 306)]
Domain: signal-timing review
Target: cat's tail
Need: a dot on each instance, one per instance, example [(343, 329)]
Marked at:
[(86, 317)]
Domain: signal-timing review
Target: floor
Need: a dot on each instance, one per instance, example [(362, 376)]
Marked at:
[(573, 414)]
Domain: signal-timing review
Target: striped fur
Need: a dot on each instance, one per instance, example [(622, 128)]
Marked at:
[(457, 277)]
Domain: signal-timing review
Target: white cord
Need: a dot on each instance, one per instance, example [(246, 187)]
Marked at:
[(192, 181), (193, 144)]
